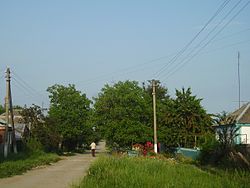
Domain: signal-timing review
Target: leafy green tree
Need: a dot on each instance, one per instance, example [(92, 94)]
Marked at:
[(186, 120), (70, 109), (39, 128), (122, 114)]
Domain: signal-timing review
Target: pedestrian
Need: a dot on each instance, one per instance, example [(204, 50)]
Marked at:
[(93, 147)]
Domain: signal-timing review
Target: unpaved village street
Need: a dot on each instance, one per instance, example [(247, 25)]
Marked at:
[(58, 175)]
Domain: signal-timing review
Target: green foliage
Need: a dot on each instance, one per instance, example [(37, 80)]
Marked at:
[(2, 110), (122, 114), (43, 130), (70, 110), (21, 162), (227, 135), (186, 121), (223, 152), (145, 172), (125, 116), (163, 102), (33, 145), (207, 149)]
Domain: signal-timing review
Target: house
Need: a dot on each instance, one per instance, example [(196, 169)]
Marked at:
[(2, 133), (20, 128), (240, 120)]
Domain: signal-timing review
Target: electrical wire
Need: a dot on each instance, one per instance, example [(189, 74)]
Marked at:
[(233, 34), (26, 94), (26, 85), (129, 70), (185, 62), (174, 59), (210, 32), (226, 46)]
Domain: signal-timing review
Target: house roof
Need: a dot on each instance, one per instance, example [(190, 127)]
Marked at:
[(242, 115), (17, 116)]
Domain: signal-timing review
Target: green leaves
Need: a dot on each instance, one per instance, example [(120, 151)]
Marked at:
[(186, 119), (71, 110), (122, 113)]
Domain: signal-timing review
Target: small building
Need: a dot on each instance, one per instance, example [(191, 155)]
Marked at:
[(2, 134), (20, 128), (240, 120)]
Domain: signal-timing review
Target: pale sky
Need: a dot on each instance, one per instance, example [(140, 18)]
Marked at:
[(91, 43)]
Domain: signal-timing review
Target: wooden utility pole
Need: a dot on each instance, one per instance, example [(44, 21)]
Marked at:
[(9, 120), (154, 109)]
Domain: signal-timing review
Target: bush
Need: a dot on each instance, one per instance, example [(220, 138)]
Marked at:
[(33, 145), (209, 153), (222, 155)]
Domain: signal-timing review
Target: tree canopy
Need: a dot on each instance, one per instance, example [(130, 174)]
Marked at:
[(186, 120), (70, 109), (123, 114), (40, 128)]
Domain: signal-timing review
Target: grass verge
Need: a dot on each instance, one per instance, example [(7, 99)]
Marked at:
[(126, 172), (21, 162)]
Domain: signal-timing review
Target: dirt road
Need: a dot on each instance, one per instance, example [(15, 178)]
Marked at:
[(59, 175)]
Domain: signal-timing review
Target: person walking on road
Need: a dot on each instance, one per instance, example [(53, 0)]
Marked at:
[(93, 147)]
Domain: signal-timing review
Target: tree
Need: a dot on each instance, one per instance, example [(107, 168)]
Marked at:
[(186, 120), (39, 128), (70, 109), (122, 114)]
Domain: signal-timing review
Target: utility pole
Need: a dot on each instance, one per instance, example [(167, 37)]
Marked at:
[(6, 134), (12, 115), (154, 109), (239, 75), (9, 111)]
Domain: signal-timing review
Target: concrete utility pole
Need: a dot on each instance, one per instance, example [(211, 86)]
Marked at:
[(12, 117), (6, 133), (154, 109), (9, 111)]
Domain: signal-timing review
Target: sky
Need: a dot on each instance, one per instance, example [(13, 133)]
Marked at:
[(182, 43)]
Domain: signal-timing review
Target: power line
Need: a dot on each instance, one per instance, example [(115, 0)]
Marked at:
[(24, 89), (226, 46), (185, 62), (233, 34), (128, 69), (26, 94), (26, 85), (210, 32), (222, 6), (118, 72)]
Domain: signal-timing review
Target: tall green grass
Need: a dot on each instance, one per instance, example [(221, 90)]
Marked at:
[(111, 172), (21, 162)]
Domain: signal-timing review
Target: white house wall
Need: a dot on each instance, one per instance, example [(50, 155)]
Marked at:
[(245, 134)]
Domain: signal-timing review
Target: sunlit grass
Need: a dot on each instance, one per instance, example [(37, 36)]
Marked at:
[(20, 163), (142, 172)]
